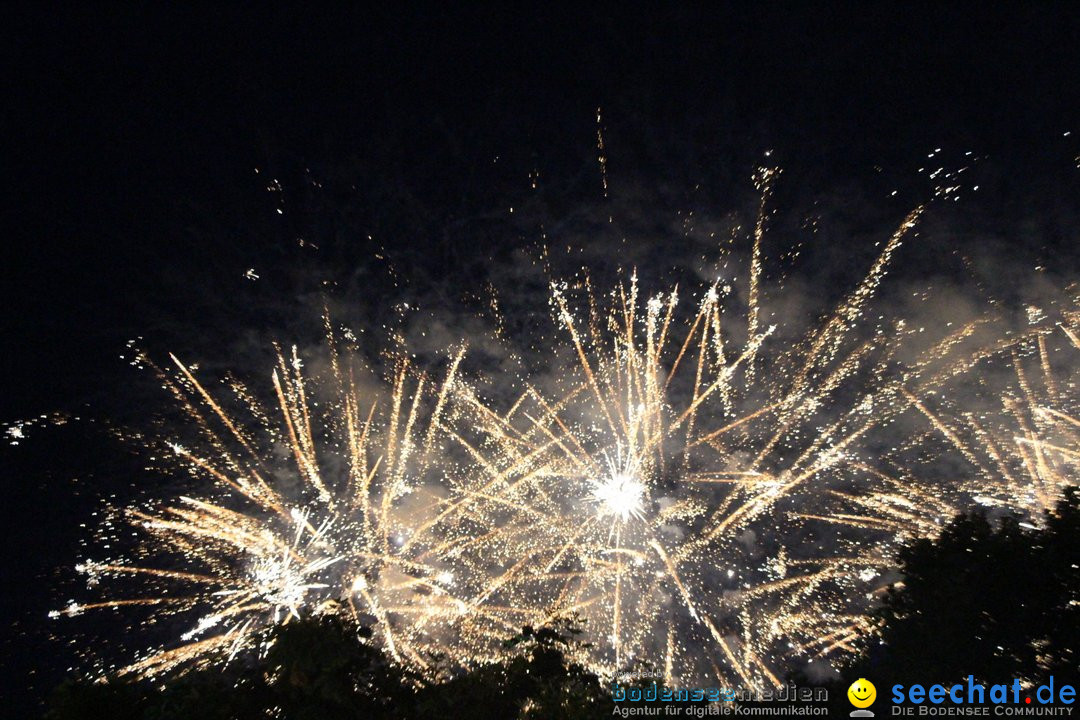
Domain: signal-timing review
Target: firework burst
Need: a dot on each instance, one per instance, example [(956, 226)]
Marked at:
[(647, 468), (317, 503), (664, 482), (1014, 437), (1011, 447), (627, 492)]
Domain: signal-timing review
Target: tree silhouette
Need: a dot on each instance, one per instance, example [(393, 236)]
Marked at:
[(81, 700), (996, 600), (320, 668), (324, 668), (540, 682)]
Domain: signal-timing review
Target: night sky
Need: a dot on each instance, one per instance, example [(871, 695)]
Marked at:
[(139, 146)]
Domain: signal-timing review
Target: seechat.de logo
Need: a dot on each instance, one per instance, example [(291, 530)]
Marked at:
[(970, 692)]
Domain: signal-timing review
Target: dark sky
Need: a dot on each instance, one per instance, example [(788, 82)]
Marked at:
[(131, 137), (122, 127)]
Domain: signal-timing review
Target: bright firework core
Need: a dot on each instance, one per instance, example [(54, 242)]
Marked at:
[(620, 492)]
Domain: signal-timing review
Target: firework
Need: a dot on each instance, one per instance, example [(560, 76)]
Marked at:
[(644, 470), (317, 503), (664, 481), (1016, 436), (625, 491), (1009, 446)]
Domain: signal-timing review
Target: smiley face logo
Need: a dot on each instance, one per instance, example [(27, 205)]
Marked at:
[(862, 693)]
